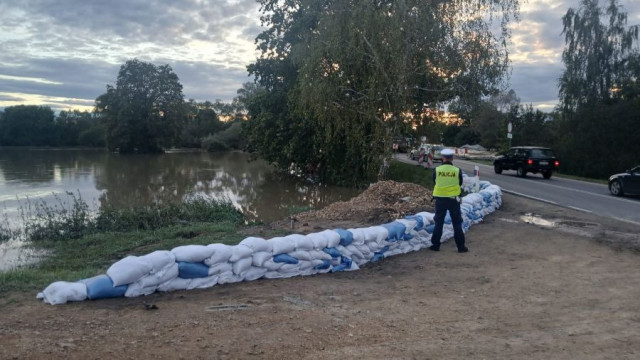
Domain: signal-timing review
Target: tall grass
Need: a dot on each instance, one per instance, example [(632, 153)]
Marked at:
[(71, 218), (82, 244)]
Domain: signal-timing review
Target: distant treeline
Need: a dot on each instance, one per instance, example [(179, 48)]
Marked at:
[(31, 125)]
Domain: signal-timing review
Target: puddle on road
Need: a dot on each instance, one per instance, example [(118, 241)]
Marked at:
[(537, 220), (582, 228)]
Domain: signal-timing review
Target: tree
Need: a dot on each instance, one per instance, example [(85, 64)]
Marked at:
[(27, 125), (597, 56), (351, 74), (145, 109)]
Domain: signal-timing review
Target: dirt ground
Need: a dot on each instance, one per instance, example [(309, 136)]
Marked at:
[(539, 282)]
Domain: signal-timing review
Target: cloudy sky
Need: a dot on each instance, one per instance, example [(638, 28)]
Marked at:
[(63, 53)]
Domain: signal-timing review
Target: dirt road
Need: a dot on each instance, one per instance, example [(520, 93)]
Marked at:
[(566, 285)]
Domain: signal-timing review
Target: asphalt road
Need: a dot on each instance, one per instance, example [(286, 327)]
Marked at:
[(574, 194)]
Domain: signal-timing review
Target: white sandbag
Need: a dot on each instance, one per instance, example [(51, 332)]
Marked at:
[(355, 252), (427, 216), (220, 268), (374, 246), (228, 278), (203, 283), (376, 233), (319, 255), (240, 252), (301, 242), (167, 273), (301, 254), (253, 273), (192, 253), (272, 265), (135, 290), (221, 253), (175, 284), (60, 292), (128, 270), (258, 258), (148, 284), (319, 241), (256, 244), (282, 245), (276, 275), (304, 265), (344, 251), (317, 262), (358, 236), (159, 259), (290, 268), (242, 265), (364, 250), (333, 238)]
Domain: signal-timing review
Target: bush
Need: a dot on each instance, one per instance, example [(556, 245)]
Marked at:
[(72, 219)]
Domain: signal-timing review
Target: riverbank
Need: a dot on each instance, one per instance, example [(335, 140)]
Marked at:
[(540, 282), (113, 234)]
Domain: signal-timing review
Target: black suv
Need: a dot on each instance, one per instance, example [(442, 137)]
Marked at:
[(525, 159)]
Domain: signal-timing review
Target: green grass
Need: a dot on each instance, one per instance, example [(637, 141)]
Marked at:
[(81, 246), (90, 255), (403, 172)]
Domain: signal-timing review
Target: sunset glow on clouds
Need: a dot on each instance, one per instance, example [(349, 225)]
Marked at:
[(63, 53)]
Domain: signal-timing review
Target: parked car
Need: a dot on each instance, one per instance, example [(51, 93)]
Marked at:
[(527, 159), (625, 183), (436, 152), (415, 153)]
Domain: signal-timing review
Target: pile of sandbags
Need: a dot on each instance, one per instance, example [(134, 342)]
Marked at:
[(202, 266)]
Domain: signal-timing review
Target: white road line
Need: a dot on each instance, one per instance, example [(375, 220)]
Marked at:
[(580, 209), (530, 197), (587, 192)]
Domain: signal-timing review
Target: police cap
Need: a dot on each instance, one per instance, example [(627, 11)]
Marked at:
[(447, 153)]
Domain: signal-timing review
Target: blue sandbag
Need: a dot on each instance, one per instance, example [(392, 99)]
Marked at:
[(341, 267), (430, 228), (325, 265), (407, 237), (332, 251), (346, 261), (285, 258), (419, 219), (192, 270), (346, 236), (377, 257), (396, 230), (101, 287)]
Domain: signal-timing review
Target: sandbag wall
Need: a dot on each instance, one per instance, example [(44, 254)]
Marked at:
[(199, 266)]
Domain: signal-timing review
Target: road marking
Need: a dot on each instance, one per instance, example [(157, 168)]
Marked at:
[(580, 209), (530, 197), (610, 197)]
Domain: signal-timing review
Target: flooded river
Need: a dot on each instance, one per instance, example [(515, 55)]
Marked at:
[(254, 187)]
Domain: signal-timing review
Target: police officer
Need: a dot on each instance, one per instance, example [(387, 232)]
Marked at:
[(446, 192)]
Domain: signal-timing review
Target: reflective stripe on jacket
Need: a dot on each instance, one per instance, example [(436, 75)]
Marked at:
[(447, 183)]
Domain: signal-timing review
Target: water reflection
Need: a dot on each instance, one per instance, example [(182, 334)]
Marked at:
[(103, 178)]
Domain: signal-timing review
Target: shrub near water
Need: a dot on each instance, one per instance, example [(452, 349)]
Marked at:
[(82, 245), (72, 220)]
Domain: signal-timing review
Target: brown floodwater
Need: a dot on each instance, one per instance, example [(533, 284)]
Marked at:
[(29, 175)]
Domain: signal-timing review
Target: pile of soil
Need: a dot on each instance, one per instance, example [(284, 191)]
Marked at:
[(382, 202)]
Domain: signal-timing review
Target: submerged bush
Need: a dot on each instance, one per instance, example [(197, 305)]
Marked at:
[(73, 219)]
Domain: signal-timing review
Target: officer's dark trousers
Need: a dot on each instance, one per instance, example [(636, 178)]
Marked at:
[(442, 205)]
